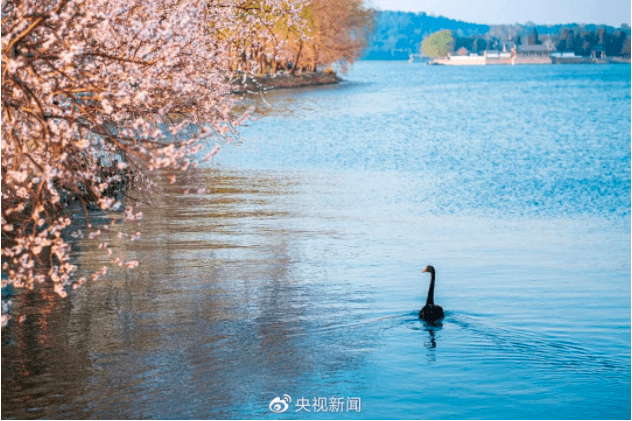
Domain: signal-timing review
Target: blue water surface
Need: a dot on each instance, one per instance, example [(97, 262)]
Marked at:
[(299, 271)]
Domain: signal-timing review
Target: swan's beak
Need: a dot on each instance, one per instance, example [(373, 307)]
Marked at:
[(425, 270)]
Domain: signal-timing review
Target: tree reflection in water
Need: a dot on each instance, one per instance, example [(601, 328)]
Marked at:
[(216, 317)]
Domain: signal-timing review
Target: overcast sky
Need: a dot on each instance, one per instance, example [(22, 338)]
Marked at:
[(609, 12)]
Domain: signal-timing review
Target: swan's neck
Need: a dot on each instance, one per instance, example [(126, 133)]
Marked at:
[(430, 300)]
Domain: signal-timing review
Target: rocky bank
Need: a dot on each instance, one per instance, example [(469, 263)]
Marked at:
[(286, 81)]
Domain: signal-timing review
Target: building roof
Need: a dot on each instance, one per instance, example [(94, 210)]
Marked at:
[(539, 47)]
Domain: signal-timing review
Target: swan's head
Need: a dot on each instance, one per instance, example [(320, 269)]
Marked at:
[(429, 269)]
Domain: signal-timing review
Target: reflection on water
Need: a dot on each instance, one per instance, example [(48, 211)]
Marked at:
[(432, 342), (299, 271), (212, 321)]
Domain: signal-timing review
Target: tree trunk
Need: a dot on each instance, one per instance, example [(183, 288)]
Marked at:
[(314, 59), (298, 56)]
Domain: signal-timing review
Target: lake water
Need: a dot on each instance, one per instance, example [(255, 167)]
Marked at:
[(299, 271)]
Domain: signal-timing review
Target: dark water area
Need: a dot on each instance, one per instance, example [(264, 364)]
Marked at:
[(299, 271)]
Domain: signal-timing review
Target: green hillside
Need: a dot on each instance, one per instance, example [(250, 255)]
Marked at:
[(398, 34)]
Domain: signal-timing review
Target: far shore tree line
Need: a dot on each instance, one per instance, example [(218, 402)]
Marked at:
[(578, 41), (581, 43), (397, 35)]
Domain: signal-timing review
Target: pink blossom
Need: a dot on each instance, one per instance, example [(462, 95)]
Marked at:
[(89, 96)]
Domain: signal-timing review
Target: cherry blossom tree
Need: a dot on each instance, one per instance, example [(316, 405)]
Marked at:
[(97, 94)]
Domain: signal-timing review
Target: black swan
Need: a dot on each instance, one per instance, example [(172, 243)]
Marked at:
[(431, 312)]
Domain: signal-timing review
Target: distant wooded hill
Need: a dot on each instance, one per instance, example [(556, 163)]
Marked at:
[(396, 35)]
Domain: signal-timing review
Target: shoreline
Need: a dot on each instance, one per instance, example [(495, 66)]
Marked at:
[(520, 60), (286, 81)]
